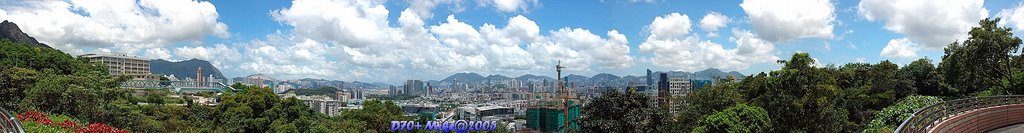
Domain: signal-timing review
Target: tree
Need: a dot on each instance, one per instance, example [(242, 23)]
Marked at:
[(982, 61), (888, 118), (740, 118), (803, 98), (926, 80), (698, 104), (155, 97), (615, 111), (244, 112), (376, 115), (13, 83)]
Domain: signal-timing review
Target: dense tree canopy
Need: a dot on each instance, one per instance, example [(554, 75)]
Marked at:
[(982, 61), (740, 118), (889, 117), (622, 112)]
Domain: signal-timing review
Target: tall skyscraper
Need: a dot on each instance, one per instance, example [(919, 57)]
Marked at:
[(650, 79), (199, 74), (663, 92), (414, 87)]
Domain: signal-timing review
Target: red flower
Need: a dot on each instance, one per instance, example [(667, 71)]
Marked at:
[(69, 124), (100, 128), (46, 121), (33, 116)]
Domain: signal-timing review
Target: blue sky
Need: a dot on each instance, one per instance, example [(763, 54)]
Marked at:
[(369, 40)]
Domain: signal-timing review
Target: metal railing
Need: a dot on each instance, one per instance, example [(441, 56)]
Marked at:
[(928, 117), (9, 123)]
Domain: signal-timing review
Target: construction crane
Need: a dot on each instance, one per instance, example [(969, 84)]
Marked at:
[(565, 97)]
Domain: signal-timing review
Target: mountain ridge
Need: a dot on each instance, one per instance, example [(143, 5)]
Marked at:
[(186, 68), (11, 31)]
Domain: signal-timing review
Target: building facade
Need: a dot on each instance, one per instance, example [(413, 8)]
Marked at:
[(663, 90), (321, 104), (414, 87), (123, 64), (678, 89)]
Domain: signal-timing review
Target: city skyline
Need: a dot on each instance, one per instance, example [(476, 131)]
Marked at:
[(392, 41)]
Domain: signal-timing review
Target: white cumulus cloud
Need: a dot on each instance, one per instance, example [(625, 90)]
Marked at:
[(673, 25), (127, 24), (712, 22), (680, 51), (933, 24), (1013, 16), (782, 20), (509, 5), (900, 48)]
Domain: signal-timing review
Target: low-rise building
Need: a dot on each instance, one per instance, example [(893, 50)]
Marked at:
[(322, 104), (486, 113), (123, 64)]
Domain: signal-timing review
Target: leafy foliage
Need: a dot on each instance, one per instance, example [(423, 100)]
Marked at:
[(615, 111), (888, 118), (925, 77), (982, 61), (800, 94), (706, 101), (740, 118), (374, 115)]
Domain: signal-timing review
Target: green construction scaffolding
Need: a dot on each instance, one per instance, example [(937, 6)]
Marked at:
[(551, 118)]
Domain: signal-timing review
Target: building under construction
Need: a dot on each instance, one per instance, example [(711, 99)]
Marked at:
[(556, 112), (549, 116)]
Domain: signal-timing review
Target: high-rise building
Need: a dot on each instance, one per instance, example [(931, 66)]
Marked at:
[(122, 64), (414, 87), (650, 80), (663, 90), (392, 90), (430, 89), (199, 74), (678, 88)]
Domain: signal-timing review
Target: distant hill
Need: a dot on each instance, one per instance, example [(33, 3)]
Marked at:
[(10, 31), (604, 77), (497, 77), (464, 77), (577, 78), (184, 69), (634, 80), (529, 77), (706, 74), (712, 73)]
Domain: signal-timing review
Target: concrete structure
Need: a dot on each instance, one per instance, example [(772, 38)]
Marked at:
[(393, 91), (414, 87), (678, 88), (322, 104), (420, 108), (122, 64), (343, 96), (486, 113)]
